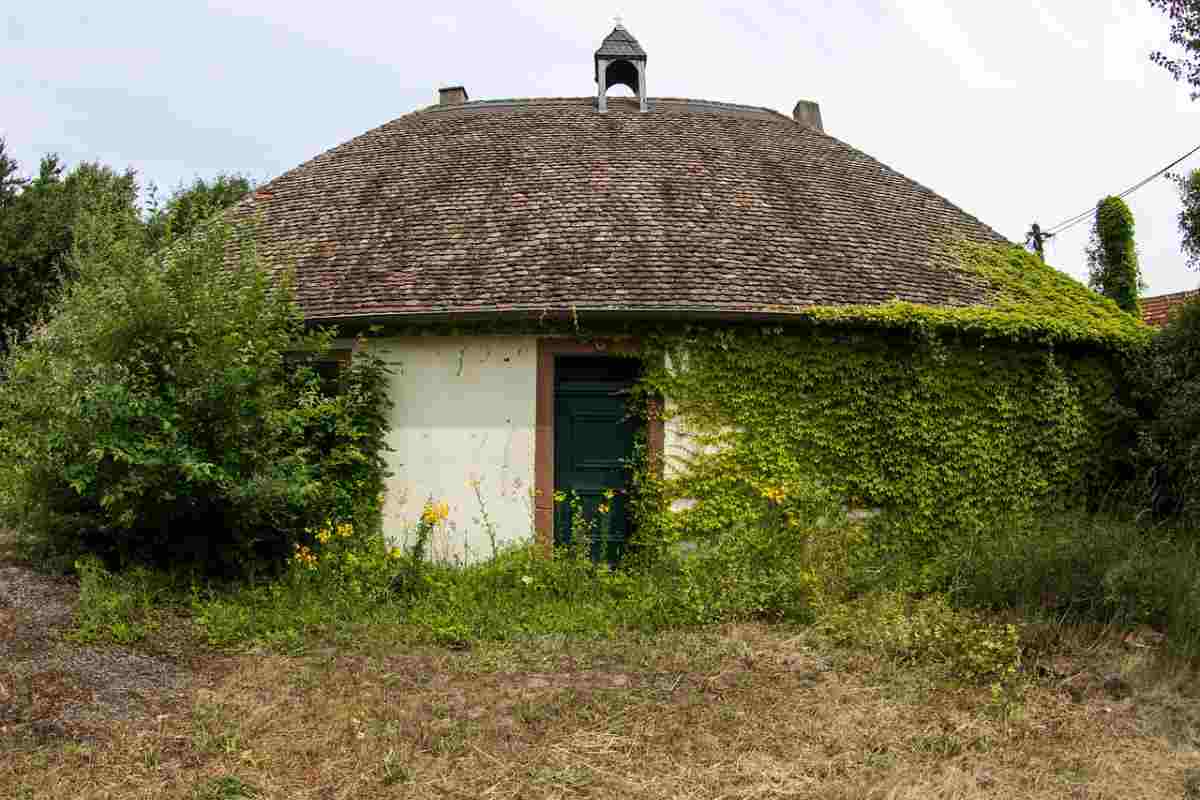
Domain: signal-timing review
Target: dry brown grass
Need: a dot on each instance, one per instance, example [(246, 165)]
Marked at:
[(736, 712)]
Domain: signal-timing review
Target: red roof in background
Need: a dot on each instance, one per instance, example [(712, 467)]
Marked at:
[(1156, 310)]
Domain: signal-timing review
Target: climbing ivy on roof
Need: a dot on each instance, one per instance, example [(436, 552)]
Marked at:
[(1030, 303)]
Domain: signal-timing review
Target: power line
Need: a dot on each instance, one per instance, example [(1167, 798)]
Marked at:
[(1071, 222)]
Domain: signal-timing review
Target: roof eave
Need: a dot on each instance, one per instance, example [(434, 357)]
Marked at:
[(666, 314)]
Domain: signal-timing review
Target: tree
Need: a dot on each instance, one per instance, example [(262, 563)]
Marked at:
[(37, 232), (10, 181), (1185, 34), (1112, 255), (190, 205), (1189, 215)]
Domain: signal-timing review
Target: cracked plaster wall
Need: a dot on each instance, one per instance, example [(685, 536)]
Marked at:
[(464, 412)]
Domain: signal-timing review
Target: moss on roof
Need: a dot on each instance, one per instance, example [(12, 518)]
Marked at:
[(1031, 302)]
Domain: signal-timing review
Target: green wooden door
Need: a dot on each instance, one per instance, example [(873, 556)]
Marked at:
[(593, 441)]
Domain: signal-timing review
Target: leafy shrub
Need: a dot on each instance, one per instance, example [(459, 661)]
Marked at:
[(1168, 383), (927, 630), (155, 415)]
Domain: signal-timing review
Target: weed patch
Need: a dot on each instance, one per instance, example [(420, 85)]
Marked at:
[(928, 630), (1082, 569)]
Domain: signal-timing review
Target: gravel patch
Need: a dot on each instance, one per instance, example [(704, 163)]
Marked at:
[(46, 680), (36, 607)]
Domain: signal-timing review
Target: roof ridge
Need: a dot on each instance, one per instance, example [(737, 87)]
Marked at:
[(1168, 295), (590, 101)]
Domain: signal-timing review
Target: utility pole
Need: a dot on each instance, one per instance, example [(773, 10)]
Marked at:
[(1036, 239)]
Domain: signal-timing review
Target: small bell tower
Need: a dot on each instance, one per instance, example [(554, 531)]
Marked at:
[(620, 61)]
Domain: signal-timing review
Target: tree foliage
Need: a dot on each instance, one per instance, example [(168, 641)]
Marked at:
[(190, 205), (155, 414), (1189, 215), (1168, 383), (38, 220), (1112, 255), (1184, 35), (11, 181)]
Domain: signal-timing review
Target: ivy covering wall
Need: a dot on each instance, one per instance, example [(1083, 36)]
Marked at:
[(945, 421)]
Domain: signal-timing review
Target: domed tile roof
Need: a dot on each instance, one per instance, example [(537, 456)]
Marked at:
[(547, 206)]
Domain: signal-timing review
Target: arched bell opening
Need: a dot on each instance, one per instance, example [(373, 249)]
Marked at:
[(622, 73)]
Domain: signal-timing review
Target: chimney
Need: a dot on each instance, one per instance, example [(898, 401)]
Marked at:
[(452, 96), (808, 115)]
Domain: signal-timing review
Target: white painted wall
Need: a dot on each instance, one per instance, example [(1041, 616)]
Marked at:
[(464, 412)]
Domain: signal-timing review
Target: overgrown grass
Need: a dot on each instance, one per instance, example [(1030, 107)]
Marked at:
[(560, 676), (122, 607), (1075, 569), (517, 594)]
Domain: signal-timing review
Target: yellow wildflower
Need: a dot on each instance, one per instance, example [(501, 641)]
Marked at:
[(345, 530), (603, 508), (305, 557), (774, 493), (395, 553), (323, 536), (435, 513)]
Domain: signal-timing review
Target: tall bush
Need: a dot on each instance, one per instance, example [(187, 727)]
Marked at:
[(1112, 255), (155, 414)]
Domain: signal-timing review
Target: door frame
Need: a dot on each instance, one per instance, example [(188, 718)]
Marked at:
[(543, 449)]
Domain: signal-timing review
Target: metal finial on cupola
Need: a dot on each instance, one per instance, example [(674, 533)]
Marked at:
[(620, 61)]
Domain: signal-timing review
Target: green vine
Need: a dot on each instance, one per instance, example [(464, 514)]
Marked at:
[(1112, 255), (943, 437)]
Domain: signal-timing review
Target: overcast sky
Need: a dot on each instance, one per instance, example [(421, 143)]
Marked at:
[(1016, 111)]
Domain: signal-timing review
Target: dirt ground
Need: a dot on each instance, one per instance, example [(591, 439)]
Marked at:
[(744, 711)]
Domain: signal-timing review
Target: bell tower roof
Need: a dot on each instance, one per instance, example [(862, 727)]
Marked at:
[(621, 44)]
